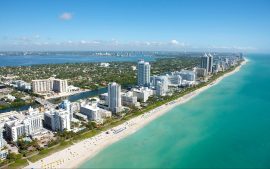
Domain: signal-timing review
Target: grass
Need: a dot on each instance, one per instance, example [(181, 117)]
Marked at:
[(20, 163), (86, 135), (44, 153)]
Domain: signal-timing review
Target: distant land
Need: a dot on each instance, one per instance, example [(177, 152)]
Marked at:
[(27, 58)]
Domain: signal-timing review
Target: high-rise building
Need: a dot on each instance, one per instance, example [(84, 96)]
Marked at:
[(60, 86), (114, 97), (211, 62), (42, 86), (143, 73), (205, 62), (51, 84), (57, 120)]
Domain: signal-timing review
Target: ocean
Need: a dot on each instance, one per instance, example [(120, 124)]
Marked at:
[(226, 126)]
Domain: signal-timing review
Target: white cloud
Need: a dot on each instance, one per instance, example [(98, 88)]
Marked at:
[(38, 42), (174, 42), (83, 42), (247, 48), (66, 16)]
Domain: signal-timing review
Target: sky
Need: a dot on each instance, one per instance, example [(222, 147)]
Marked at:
[(169, 25)]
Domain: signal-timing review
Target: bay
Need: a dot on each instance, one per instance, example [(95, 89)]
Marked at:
[(20, 60)]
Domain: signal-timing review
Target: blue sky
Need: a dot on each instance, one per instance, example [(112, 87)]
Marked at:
[(179, 25)]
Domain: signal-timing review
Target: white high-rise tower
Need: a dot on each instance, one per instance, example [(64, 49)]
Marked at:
[(143, 73), (207, 63), (114, 97)]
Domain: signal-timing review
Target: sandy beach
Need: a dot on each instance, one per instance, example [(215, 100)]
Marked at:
[(75, 155)]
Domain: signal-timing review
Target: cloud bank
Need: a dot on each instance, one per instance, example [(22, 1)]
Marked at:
[(36, 42)]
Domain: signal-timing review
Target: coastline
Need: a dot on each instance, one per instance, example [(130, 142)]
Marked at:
[(77, 154)]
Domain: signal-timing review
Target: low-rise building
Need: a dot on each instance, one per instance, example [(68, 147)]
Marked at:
[(174, 80), (160, 83), (161, 88), (104, 64), (93, 112), (104, 97), (105, 114), (10, 97), (81, 116), (128, 99), (22, 85), (186, 75), (142, 93), (57, 120), (66, 105), (3, 154), (30, 124), (72, 88)]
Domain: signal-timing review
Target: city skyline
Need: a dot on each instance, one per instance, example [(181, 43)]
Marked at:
[(229, 26)]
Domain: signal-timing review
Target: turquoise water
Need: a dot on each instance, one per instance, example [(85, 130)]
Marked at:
[(227, 126)]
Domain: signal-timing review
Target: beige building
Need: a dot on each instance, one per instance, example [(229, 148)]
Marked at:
[(200, 72), (42, 86), (48, 85), (60, 86)]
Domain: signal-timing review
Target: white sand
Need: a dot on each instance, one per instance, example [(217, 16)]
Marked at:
[(78, 153)]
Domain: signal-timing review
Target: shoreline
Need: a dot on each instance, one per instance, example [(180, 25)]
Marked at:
[(77, 154)]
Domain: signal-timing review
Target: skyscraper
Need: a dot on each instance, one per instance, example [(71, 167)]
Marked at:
[(143, 73), (114, 97), (205, 62), (211, 61)]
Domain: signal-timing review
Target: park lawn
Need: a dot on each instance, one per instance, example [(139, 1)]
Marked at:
[(46, 152), (20, 163)]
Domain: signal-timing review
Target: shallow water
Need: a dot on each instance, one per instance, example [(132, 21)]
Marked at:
[(227, 126)]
